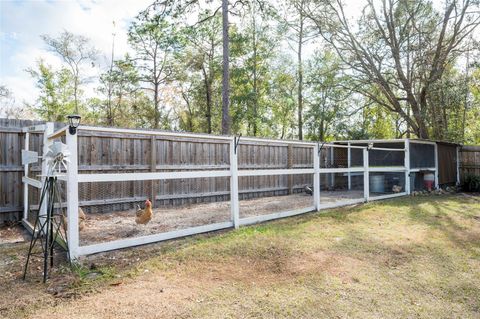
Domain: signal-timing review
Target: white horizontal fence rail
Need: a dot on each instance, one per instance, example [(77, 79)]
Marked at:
[(266, 172), (32, 182), (122, 177), (231, 170), (262, 218), (136, 241)]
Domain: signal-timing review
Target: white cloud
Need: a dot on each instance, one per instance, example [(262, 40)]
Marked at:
[(22, 24)]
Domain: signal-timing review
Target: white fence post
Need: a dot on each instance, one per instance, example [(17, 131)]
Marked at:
[(49, 128), (25, 185), (316, 177), (234, 204), (366, 176), (72, 196), (407, 167)]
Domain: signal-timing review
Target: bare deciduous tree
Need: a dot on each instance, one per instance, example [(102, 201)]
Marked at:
[(402, 47)]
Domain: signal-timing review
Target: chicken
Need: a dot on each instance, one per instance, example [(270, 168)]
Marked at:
[(309, 190), (81, 220), (143, 216), (397, 188)]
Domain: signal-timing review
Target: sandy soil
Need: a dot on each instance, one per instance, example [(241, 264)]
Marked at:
[(104, 227), (11, 235)]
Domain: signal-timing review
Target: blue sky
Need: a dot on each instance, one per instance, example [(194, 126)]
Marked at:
[(22, 23)]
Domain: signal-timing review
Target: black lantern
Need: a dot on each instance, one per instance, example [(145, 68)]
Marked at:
[(74, 122)]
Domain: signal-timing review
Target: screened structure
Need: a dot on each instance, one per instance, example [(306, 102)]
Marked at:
[(425, 165)]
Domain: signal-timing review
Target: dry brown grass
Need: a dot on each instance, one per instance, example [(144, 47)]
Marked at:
[(408, 257)]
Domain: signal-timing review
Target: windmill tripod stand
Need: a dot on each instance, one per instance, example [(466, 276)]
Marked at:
[(49, 228)]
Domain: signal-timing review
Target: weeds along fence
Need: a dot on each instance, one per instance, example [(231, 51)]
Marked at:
[(200, 183)]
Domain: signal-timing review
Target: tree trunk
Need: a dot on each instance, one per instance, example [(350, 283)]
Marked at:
[(300, 80), (208, 92), (75, 91), (226, 71), (156, 124), (255, 88)]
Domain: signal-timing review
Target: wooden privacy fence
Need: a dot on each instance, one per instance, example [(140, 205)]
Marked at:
[(104, 152), (136, 153), (469, 161), (11, 169)]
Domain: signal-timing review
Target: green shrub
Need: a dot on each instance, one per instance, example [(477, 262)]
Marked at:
[(471, 183)]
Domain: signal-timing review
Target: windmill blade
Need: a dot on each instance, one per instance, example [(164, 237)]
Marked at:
[(29, 157), (57, 157)]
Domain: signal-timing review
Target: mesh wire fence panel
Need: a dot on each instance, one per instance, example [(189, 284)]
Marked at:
[(36, 145), (111, 207), (335, 187), (385, 183), (333, 157), (356, 157), (381, 158), (264, 195), (422, 155), (419, 182)]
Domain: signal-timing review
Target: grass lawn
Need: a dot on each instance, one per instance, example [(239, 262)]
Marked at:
[(401, 258)]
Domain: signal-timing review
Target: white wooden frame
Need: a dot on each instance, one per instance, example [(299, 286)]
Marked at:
[(46, 129), (73, 178)]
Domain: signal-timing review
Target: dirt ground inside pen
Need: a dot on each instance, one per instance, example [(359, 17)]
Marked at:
[(408, 257), (103, 227)]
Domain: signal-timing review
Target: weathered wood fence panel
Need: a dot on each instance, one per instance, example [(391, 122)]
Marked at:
[(11, 169), (469, 161), (121, 153)]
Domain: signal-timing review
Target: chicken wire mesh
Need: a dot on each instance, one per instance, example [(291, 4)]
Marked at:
[(384, 158), (385, 183), (264, 195), (112, 208), (35, 145), (333, 157), (337, 157), (34, 199), (419, 181), (422, 155), (336, 188)]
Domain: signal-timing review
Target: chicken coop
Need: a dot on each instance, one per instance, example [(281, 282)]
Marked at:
[(198, 183)]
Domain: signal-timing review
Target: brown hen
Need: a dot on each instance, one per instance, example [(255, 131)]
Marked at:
[(143, 216)]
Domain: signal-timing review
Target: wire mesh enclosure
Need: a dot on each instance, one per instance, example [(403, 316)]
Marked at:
[(282, 193), (111, 207), (338, 188), (192, 183)]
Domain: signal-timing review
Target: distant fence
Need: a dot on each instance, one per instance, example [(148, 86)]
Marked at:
[(469, 161)]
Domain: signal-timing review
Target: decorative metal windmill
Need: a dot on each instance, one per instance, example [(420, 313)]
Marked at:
[(49, 228)]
